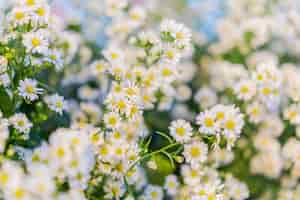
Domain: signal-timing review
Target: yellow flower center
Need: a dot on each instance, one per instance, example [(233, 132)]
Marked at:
[(298, 157), (3, 178), (170, 54), (135, 16), (121, 105), (19, 15), (202, 192), (154, 194), (116, 191), (117, 88), (41, 11), (21, 123), (255, 111), (35, 158), (171, 184), (130, 91), (166, 72), (60, 152), (59, 104), (266, 91), (119, 167), (260, 77), (30, 89), (75, 141), (292, 114), (133, 110), (53, 57), (103, 150), (209, 122), (118, 151), (195, 152), (30, 2), (74, 163), (211, 197), (114, 55), (194, 173), (179, 35), (230, 124), (244, 89), (117, 135), (35, 42), (220, 115), (146, 98), (95, 138), (180, 131), (19, 193), (112, 121), (99, 67)]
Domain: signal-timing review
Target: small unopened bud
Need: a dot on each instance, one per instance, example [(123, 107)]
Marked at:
[(152, 164), (179, 159), (10, 152)]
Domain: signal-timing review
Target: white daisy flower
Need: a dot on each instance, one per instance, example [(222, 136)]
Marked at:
[(181, 130), (195, 153), (181, 34), (28, 89), (98, 67), (41, 14), (21, 122), (112, 120), (208, 123), (55, 57), (153, 193), (245, 89), (56, 103), (292, 113), (36, 42), (114, 189), (233, 122), (137, 15), (114, 55), (191, 176), (19, 16), (171, 55), (206, 191), (31, 3), (171, 184), (256, 112)]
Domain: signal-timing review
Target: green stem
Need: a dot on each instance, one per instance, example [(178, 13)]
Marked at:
[(165, 136), (152, 154)]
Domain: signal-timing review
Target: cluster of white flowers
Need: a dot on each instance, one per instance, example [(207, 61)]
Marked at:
[(136, 84), (204, 183), (67, 159), (28, 27), (250, 25), (244, 91), (254, 66), (137, 72), (29, 45), (221, 120), (126, 18), (35, 12)]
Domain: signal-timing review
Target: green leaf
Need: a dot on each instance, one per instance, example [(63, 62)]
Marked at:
[(6, 103)]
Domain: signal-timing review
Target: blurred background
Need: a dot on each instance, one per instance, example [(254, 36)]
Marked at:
[(197, 14)]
